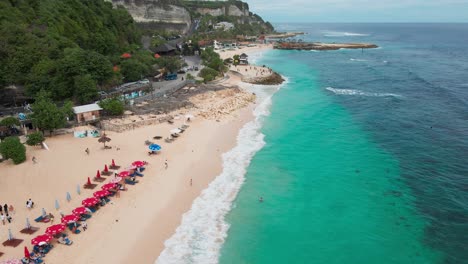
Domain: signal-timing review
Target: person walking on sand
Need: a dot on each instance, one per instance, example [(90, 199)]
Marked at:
[(29, 203), (84, 225), (5, 207), (165, 164), (87, 151), (2, 217), (34, 160), (8, 218), (51, 218)]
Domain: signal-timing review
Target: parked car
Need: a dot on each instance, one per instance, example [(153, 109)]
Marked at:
[(171, 76), (144, 81)]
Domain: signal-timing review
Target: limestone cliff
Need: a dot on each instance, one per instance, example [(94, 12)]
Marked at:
[(157, 13)]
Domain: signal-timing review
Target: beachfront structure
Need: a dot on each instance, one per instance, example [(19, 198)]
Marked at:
[(87, 113), (243, 59)]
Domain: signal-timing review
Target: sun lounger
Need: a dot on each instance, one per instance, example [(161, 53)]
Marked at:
[(168, 140), (128, 181), (139, 174), (92, 208), (39, 219), (157, 137)]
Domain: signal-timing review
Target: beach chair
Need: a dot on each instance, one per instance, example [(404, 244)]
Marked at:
[(92, 208), (39, 219), (138, 174)]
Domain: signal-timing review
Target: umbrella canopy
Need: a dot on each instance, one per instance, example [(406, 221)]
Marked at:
[(104, 139), (98, 174), (131, 167), (68, 196), (124, 174), (55, 229), (106, 169), (175, 131), (116, 180), (57, 205), (11, 261), (69, 219), (26, 252), (41, 239), (153, 147), (108, 186), (101, 194), (140, 163), (80, 210), (90, 201)]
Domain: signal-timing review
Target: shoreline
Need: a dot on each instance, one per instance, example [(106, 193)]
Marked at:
[(134, 227)]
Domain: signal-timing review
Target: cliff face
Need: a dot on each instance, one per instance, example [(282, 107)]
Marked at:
[(157, 13), (229, 10)]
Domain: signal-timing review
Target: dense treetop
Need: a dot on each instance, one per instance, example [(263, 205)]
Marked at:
[(62, 46)]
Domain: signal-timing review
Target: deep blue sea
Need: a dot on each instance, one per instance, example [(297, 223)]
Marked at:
[(360, 157)]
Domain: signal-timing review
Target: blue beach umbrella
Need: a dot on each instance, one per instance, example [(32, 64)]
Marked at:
[(68, 196), (57, 205), (78, 190), (10, 235), (154, 147), (28, 225), (43, 212)]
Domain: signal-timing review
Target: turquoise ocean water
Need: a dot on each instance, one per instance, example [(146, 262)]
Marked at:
[(360, 157)]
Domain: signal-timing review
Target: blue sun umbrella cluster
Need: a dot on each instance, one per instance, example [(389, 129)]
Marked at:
[(154, 147)]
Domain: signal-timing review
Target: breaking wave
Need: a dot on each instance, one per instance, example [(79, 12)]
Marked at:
[(203, 230), (359, 92), (344, 34)]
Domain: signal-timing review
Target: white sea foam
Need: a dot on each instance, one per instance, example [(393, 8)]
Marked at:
[(360, 60), (203, 230), (344, 34), (359, 92)]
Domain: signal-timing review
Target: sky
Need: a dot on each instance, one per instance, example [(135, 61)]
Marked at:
[(361, 10)]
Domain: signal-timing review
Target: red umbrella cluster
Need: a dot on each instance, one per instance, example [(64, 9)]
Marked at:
[(139, 163), (80, 210), (101, 194), (41, 239), (69, 219), (55, 229), (124, 174), (108, 186), (90, 201)]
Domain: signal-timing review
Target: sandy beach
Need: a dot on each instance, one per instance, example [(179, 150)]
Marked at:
[(133, 227)]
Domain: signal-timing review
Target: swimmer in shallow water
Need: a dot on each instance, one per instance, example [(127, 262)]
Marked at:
[(261, 199)]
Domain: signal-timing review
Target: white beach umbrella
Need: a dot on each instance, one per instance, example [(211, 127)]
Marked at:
[(175, 131)]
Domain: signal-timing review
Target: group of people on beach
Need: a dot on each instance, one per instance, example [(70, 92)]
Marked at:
[(5, 212)]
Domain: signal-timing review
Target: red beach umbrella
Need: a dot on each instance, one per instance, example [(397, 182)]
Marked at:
[(108, 186), (80, 210), (69, 219), (113, 163), (89, 181), (90, 201), (41, 239), (26, 252), (124, 174), (100, 194), (98, 174), (55, 229), (139, 163), (106, 169)]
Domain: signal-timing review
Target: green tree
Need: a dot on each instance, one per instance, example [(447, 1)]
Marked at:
[(236, 59), (171, 64), (46, 115), (208, 74), (133, 70), (85, 89), (35, 139), (67, 109), (10, 121), (11, 148), (112, 106)]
